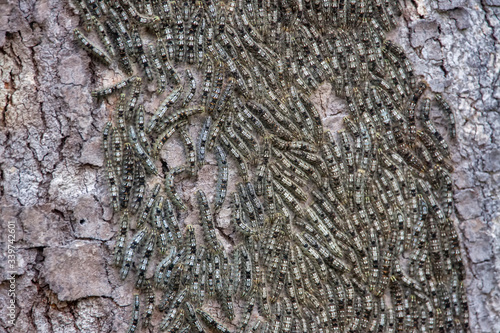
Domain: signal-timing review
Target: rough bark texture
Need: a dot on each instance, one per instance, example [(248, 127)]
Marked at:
[(53, 187)]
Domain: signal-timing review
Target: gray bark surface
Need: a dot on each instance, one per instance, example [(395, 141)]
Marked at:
[(53, 187)]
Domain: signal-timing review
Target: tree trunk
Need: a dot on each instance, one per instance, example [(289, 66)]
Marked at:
[(53, 193)]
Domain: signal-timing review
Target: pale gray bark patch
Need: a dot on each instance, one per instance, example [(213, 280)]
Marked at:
[(465, 67)]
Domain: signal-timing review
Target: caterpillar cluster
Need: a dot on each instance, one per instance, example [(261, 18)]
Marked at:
[(334, 232)]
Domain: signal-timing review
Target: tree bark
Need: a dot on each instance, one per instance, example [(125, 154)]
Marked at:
[(53, 194)]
